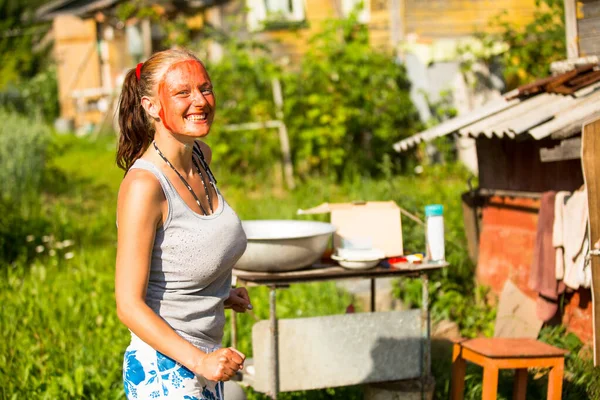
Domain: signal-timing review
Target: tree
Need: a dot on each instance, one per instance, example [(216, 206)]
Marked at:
[(530, 49), (20, 37), (347, 104)]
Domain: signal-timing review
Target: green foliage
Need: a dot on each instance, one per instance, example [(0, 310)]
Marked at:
[(176, 31), (344, 97), (529, 49), (27, 77), (67, 340), (37, 96), (585, 378), (19, 34), (243, 91), (23, 145)]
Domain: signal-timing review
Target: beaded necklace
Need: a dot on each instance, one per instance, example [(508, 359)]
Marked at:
[(187, 185)]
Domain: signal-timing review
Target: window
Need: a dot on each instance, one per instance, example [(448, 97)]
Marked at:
[(363, 15), (262, 13)]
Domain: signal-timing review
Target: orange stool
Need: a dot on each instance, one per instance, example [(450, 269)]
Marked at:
[(494, 354)]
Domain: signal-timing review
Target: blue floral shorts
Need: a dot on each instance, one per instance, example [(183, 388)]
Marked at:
[(149, 374)]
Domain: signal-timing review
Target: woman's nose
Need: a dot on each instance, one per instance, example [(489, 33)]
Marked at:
[(198, 98)]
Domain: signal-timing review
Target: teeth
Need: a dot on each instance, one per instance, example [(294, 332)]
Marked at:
[(196, 117)]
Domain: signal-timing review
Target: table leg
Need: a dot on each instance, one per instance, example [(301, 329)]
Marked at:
[(520, 385), (234, 336), (490, 383), (373, 294), (555, 380), (425, 329), (274, 361), (459, 368)]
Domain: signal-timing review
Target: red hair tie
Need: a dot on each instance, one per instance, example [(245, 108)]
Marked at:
[(138, 71)]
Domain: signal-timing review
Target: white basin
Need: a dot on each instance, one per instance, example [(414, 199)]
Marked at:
[(283, 245)]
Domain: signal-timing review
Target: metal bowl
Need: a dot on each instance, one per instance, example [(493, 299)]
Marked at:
[(283, 245)]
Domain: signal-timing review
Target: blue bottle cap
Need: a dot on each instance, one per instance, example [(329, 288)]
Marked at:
[(434, 210)]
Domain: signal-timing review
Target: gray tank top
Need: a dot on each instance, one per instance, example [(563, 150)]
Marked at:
[(192, 258)]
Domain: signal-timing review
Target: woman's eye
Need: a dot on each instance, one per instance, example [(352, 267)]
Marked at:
[(182, 92), (207, 91)]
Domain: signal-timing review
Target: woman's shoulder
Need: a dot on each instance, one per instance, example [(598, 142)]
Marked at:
[(142, 185)]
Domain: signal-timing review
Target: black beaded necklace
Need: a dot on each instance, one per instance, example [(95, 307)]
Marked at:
[(187, 185)]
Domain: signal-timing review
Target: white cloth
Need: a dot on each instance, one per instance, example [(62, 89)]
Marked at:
[(577, 272), (558, 234)]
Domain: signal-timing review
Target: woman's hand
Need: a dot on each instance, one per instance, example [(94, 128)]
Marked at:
[(220, 365), (238, 300)]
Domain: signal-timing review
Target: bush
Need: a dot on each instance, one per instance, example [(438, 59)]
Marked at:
[(23, 145), (23, 150), (37, 96), (347, 96)]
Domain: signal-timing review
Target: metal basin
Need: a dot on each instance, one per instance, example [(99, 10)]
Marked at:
[(283, 245)]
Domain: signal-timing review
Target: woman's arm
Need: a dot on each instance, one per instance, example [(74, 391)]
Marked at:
[(139, 214)]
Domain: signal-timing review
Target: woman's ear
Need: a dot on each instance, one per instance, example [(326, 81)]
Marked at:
[(151, 108)]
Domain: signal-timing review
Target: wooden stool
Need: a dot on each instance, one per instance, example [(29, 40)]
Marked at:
[(494, 354)]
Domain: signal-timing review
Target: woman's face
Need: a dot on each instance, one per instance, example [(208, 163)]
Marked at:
[(187, 102)]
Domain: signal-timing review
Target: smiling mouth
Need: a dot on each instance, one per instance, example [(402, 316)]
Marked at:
[(196, 117)]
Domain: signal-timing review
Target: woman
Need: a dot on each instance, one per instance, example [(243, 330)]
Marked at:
[(177, 237)]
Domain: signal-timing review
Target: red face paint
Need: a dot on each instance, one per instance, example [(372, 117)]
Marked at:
[(186, 99)]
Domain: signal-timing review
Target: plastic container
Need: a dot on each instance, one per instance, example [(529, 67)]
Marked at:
[(434, 232)]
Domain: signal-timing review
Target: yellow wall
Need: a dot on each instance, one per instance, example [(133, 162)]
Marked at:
[(423, 20), (454, 18), (78, 64)]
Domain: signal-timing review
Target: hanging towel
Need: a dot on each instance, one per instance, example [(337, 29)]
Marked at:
[(558, 233), (576, 243), (542, 278)]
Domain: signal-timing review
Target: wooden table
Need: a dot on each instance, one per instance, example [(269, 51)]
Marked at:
[(324, 272)]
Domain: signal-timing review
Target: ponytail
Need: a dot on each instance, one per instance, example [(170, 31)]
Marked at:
[(136, 132)]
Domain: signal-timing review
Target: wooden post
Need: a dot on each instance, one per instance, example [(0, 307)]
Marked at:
[(571, 29), (590, 149), (283, 135), (147, 38)]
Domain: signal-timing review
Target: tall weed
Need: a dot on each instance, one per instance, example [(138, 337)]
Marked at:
[(23, 145)]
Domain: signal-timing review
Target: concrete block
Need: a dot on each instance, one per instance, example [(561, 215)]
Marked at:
[(340, 350), (413, 389)]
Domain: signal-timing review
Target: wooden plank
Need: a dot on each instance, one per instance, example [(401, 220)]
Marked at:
[(591, 170), (590, 9), (569, 149)]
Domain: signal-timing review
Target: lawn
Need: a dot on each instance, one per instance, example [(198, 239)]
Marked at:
[(61, 336)]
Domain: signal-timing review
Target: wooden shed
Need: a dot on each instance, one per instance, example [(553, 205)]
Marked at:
[(528, 142)]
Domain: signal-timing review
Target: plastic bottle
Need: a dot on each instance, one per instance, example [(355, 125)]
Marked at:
[(434, 228)]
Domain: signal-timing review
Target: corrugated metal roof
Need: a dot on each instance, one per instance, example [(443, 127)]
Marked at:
[(539, 116), (73, 7)]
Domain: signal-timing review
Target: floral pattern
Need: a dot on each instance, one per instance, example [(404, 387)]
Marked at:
[(149, 374)]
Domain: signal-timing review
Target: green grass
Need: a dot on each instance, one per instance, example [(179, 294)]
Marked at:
[(61, 338)]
